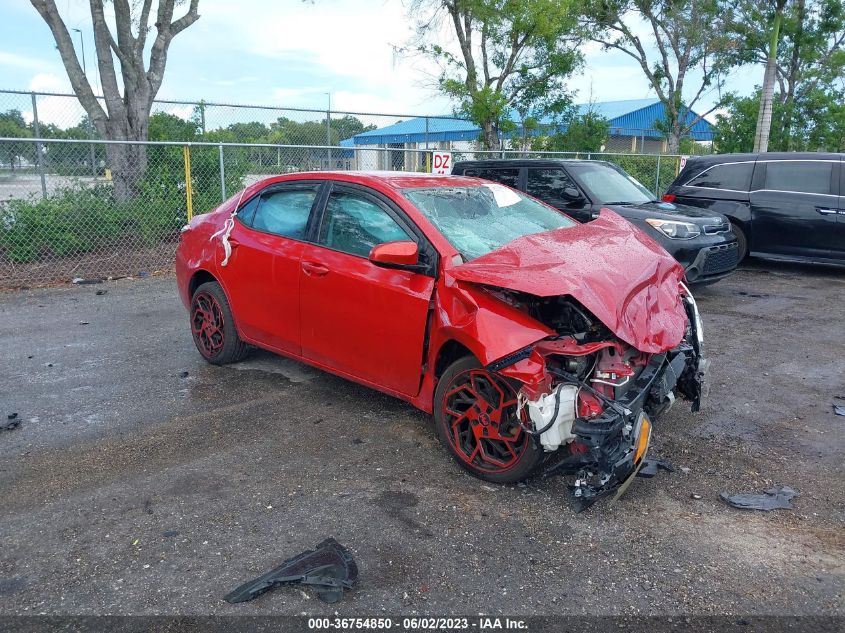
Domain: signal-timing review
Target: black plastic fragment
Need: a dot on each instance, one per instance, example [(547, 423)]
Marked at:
[(651, 466), (771, 499), (12, 422), (329, 567)]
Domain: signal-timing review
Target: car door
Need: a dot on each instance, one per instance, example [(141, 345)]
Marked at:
[(794, 210), (262, 276), (547, 184), (838, 250), (360, 319)]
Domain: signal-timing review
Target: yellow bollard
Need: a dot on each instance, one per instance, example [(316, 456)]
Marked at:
[(189, 192)]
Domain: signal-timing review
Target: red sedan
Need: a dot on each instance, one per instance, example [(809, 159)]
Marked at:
[(524, 333)]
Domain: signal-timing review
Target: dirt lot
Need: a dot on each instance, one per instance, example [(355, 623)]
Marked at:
[(130, 489)]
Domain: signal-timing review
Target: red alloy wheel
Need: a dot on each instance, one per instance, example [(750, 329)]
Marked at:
[(207, 324), (475, 406)]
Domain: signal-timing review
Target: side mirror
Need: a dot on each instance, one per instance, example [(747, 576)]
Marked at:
[(395, 254), (571, 193)]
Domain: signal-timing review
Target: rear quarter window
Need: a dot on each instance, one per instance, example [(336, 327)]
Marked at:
[(506, 176), (731, 176)]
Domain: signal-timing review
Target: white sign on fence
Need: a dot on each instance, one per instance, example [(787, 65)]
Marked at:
[(683, 163), (441, 163)]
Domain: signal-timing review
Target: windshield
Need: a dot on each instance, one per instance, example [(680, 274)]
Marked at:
[(606, 184), (477, 220)]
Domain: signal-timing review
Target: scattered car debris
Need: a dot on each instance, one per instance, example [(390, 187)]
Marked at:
[(82, 282), (771, 499), (100, 292), (329, 567), (183, 374), (84, 323), (12, 422), (695, 496), (651, 466), (839, 409)]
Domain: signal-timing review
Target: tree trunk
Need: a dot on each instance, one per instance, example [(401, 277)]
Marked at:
[(764, 116), (490, 136), (792, 77), (673, 141)]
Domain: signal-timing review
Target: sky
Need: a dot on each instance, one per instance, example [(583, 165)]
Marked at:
[(287, 53)]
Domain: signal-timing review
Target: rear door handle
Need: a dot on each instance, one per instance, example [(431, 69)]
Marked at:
[(315, 270), (824, 211)]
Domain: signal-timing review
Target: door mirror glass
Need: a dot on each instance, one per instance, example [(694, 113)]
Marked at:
[(395, 254)]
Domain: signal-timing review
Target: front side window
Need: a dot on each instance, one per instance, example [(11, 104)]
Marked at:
[(548, 185), (800, 176), (608, 185), (354, 224), (478, 220), (509, 177), (733, 176), (285, 213)]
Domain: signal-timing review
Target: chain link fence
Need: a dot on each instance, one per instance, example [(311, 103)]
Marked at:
[(78, 209)]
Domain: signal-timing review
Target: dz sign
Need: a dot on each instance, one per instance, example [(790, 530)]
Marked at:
[(441, 163)]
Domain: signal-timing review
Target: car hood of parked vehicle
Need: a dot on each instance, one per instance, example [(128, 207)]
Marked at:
[(668, 211), (614, 270)]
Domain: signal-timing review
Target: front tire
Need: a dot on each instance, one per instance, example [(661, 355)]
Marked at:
[(742, 242), (213, 326), (475, 418)]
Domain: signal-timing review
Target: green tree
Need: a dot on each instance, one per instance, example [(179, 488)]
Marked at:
[(12, 125), (169, 127), (684, 49), (810, 58), (513, 55), (586, 132)]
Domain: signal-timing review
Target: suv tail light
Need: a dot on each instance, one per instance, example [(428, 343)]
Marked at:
[(668, 197)]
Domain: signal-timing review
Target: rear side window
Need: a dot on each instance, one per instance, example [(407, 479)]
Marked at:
[(285, 213), (548, 185), (509, 177), (801, 176), (734, 176), (247, 212), (353, 224)]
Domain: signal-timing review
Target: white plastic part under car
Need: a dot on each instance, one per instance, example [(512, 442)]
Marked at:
[(555, 412)]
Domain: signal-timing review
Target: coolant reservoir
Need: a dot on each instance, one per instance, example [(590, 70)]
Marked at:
[(542, 410)]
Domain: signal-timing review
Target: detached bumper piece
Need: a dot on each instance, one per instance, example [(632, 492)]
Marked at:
[(613, 445), (329, 567)]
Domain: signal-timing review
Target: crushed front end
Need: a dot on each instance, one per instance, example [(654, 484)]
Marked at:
[(590, 398)]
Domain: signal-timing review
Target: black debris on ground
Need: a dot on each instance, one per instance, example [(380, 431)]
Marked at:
[(771, 499), (12, 422)]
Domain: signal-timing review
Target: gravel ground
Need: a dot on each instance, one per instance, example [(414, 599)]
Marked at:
[(134, 488)]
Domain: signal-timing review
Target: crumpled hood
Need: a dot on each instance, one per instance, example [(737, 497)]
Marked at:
[(614, 270)]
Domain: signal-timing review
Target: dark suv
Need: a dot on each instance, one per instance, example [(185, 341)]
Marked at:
[(787, 206), (700, 240)]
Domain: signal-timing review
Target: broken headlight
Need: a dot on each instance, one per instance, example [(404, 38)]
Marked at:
[(674, 229)]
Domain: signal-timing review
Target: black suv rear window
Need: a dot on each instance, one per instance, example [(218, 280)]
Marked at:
[(509, 177), (734, 176)]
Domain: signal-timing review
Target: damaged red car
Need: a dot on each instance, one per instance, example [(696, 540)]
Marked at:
[(536, 342)]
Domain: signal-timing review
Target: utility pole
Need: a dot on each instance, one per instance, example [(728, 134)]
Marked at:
[(87, 118)]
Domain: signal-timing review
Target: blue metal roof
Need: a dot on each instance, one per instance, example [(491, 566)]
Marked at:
[(630, 117)]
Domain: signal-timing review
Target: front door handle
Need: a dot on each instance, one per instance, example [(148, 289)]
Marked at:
[(315, 270), (824, 211)]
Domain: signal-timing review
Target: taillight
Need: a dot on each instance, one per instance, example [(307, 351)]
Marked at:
[(668, 197)]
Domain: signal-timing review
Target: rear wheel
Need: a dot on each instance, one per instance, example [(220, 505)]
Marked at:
[(742, 242), (475, 418), (213, 327)]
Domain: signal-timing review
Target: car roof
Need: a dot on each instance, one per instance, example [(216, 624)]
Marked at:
[(524, 162), (391, 179), (714, 159)]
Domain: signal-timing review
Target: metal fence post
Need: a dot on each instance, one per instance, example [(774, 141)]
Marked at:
[(39, 148), (189, 189), (329, 135), (657, 178), (222, 172)]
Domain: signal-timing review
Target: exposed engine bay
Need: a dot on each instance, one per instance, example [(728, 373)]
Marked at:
[(589, 399)]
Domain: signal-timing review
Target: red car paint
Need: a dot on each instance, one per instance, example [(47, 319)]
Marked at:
[(386, 328), (620, 275)]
